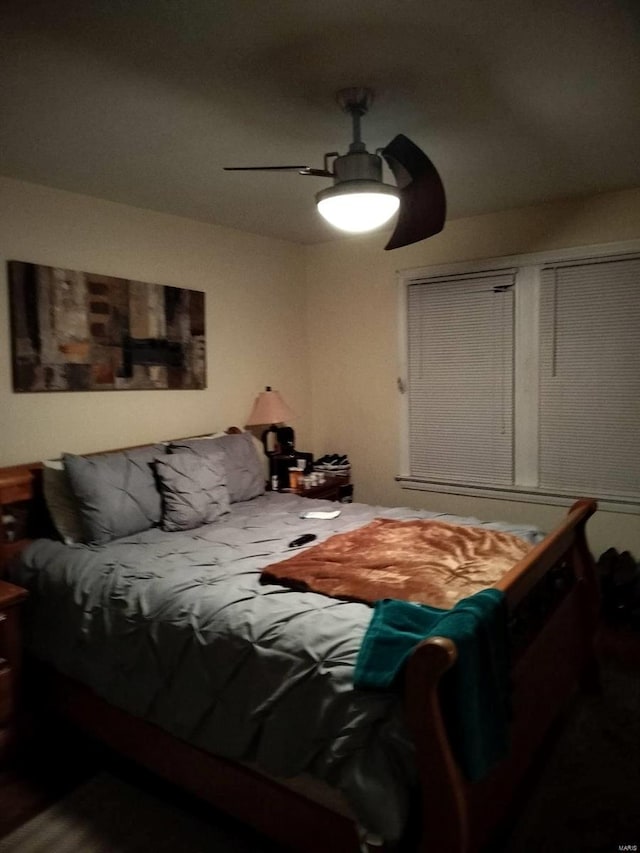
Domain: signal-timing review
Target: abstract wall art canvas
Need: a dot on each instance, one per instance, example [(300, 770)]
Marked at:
[(78, 331)]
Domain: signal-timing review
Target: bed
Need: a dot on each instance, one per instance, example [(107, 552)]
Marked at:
[(170, 639)]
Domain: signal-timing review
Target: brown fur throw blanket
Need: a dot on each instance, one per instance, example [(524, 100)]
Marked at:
[(427, 562)]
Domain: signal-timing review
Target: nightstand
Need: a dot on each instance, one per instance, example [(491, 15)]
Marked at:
[(16, 489), (11, 597), (334, 488)]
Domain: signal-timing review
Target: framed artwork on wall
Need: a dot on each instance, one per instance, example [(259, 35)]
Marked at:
[(79, 331)]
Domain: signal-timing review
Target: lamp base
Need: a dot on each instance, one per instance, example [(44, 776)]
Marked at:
[(278, 440), (270, 440), (286, 439)]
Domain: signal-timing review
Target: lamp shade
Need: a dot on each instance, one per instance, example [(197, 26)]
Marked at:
[(358, 206), (269, 408)]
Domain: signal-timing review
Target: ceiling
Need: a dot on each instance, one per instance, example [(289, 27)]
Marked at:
[(144, 101)]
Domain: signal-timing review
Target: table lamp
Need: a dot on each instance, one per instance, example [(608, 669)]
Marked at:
[(270, 408)]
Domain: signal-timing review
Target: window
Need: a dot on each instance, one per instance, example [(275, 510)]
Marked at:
[(523, 377)]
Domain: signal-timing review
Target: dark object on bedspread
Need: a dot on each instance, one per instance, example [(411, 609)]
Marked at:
[(424, 561), (475, 692)]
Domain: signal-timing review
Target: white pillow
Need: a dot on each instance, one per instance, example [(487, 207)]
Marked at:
[(61, 501)]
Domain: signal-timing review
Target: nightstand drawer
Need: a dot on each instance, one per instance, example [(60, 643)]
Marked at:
[(6, 692)]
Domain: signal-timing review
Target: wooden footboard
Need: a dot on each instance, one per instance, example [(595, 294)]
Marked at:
[(460, 817)]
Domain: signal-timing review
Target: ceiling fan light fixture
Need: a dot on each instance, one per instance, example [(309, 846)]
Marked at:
[(359, 201), (358, 206)]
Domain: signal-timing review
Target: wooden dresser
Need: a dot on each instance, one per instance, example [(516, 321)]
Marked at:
[(11, 597), (15, 491)]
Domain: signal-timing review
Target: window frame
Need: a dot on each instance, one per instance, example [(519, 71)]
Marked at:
[(526, 370)]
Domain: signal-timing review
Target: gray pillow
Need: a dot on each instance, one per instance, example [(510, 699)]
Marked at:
[(242, 465), (116, 493), (193, 489)]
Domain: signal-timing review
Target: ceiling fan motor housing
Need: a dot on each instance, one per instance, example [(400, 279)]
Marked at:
[(360, 166), (357, 172)]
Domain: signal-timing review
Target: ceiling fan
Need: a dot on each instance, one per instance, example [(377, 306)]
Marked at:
[(359, 201)]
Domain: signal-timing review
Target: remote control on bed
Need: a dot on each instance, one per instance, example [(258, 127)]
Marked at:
[(302, 540)]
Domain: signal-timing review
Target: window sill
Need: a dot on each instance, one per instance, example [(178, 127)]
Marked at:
[(606, 504)]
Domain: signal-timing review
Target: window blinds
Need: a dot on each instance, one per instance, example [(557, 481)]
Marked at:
[(589, 441), (460, 370)]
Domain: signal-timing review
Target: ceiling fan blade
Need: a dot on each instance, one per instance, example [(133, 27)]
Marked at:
[(301, 170), (423, 204), (264, 168)]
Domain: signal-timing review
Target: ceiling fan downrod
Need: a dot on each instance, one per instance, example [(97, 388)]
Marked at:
[(358, 164), (356, 102)]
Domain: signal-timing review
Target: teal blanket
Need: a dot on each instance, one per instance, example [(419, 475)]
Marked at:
[(475, 691)]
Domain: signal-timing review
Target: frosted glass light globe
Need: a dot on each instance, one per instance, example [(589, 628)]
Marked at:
[(357, 209)]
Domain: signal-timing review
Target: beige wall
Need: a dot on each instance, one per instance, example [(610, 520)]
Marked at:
[(353, 344), (254, 302), (338, 370)]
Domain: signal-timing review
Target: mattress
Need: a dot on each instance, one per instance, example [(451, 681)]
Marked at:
[(178, 629)]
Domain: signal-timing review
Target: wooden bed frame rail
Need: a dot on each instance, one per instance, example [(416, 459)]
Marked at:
[(454, 815)]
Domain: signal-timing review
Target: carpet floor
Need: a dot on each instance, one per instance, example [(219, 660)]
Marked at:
[(587, 796), (585, 799), (110, 815)]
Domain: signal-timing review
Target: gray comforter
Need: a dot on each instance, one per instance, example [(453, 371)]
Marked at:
[(177, 628)]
